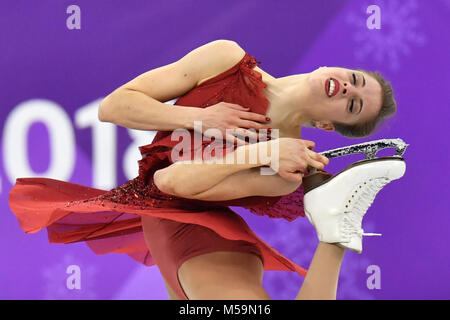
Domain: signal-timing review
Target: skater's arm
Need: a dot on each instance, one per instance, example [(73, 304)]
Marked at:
[(247, 183), (140, 103), (231, 181), (185, 178)]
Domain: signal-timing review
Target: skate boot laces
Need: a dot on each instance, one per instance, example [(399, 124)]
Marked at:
[(357, 206)]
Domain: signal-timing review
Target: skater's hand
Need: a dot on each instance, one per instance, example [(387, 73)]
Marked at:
[(295, 156), (224, 115)]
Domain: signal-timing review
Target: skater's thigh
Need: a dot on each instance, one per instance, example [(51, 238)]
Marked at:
[(197, 263), (223, 275)]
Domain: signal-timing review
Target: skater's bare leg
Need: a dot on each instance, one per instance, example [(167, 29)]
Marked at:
[(323, 273)]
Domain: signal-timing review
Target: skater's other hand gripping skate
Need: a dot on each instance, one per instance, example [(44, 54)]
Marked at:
[(295, 156)]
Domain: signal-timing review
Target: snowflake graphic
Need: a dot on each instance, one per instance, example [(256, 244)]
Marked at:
[(56, 277), (398, 33), (297, 241)]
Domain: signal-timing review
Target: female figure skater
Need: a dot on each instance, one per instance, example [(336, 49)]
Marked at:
[(175, 214)]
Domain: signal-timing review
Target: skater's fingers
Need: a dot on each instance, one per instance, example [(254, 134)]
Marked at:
[(296, 165), (309, 144), (242, 133), (253, 116), (316, 164), (236, 106), (251, 124), (318, 157), (291, 176)]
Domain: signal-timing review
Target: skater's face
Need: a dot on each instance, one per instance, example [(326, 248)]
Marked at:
[(340, 95)]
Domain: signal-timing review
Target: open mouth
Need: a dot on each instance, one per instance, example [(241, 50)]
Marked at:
[(331, 87)]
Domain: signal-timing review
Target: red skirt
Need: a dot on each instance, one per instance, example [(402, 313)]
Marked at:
[(73, 213)]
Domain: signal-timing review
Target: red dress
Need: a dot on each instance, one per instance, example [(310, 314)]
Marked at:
[(177, 228)]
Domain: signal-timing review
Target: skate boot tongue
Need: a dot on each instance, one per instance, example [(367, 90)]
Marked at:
[(355, 211)]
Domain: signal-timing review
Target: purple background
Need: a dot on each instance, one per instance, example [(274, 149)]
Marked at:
[(40, 58)]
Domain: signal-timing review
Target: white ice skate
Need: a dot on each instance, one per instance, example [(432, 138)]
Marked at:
[(336, 205)]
